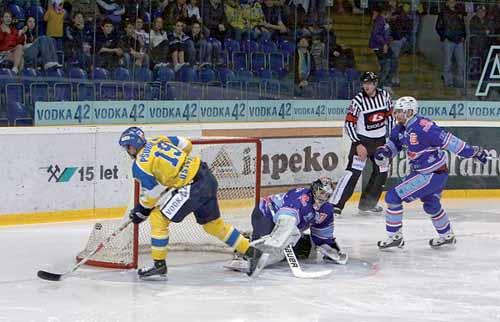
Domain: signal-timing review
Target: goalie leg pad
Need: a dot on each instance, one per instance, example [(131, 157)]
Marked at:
[(303, 247), (284, 233)]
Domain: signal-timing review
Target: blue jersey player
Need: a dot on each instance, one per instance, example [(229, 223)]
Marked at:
[(280, 220), (425, 143)]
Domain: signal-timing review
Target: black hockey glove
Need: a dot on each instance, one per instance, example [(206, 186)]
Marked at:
[(480, 154), (139, 214)]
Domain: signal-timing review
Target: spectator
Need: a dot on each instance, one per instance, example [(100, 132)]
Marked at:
[(134, 9), (11, 43), (317, 12), (494, 19), (479, 31), (304, 66), (141, 33), (134, 51), (401, 28), (178, 45), (237, 18), (86, 7), (379, 42), (108, 47), (256, 20), (111, 9), (78, 42), (214, 19), (193, 12), (54, 16), (272, 19), (38, 50), (450, 27), (318, 52), (174, 12), (203, 49), (158, 43)]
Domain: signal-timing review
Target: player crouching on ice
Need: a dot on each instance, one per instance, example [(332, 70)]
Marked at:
[(425, 143), (279, 220), (162, 165)]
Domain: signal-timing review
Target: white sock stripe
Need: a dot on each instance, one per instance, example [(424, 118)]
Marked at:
[(337, 194)]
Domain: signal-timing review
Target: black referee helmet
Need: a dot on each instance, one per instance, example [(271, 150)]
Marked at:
[(369, 77)]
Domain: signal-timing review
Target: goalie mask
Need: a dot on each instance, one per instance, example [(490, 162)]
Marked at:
[(322, 190)]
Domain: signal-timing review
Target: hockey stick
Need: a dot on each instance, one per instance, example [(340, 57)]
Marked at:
[(295, 266), (57, 277)]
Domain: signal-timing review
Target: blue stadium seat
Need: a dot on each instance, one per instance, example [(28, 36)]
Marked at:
[(100, 74), (164, 74), (62, 92), (121, 74), (186, 74), (39, 92), (14, 93), (174, 91), (131, 90), (195, 90), (231, 46), (268, 47), (253, 90), (143, 75), (324, 90), (272, 89), (108, 91), (257, 62), (288, 48), (77, 73), (321, 75), (214, 91), (54, 75), (17, 12), (244, 75), (18, 112), (152, 91), (267, 74), (225, 75), (86, 92), (29, 75), (6, 76), (234, 90), (240, 61), (277, 64), (249, 46), (206, 75)]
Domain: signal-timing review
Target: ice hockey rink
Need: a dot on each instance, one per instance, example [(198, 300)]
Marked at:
[(413, 284)]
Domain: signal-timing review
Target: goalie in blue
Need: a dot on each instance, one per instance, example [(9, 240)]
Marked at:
[(425, 143), (280, 220)]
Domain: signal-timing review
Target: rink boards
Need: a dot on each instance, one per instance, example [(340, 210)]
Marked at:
[(71, 173)]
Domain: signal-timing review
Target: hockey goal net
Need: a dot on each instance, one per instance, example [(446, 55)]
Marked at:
[(235, 162)]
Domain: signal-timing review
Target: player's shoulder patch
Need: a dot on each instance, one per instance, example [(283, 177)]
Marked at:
[(425, 124)]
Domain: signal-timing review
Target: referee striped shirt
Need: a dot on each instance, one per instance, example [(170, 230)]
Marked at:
[(369, 117)]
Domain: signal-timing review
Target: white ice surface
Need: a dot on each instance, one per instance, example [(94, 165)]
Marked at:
[(414, 284)]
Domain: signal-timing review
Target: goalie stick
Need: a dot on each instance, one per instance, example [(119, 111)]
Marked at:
[(57, 277), (292, 261), (295, 266)]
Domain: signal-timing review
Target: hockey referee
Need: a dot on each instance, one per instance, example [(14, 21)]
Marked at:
[(368, 122)]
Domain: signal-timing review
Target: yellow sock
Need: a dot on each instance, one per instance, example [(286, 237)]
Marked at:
[(228, 234), (159, 235)]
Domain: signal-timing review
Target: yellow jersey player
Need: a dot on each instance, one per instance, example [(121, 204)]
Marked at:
[(165, 163)]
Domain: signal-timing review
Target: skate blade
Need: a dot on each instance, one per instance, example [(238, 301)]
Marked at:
[(237, 268), (154, 278), (389, 248)]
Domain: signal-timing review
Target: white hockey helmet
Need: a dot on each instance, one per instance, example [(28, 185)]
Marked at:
[(406, 103)]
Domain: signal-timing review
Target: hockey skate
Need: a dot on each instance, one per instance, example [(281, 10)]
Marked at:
[(377, 210), (257, 261), (157, 272), (333, 253), (239, 263), (443, 241), (395, 240)]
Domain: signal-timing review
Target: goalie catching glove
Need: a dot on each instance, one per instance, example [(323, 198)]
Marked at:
[(139, 214)]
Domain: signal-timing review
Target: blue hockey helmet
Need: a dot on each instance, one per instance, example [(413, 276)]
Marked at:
[(133, 136)]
